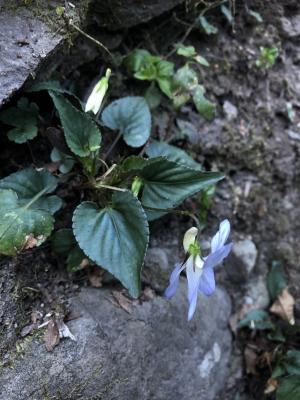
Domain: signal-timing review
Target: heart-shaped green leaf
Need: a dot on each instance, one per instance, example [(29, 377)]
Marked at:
[(24, 118), (66, 162), (21, 224), (167, 184), (131, 116), (114, 237), (289, 388), (28, 184), (81, 132), (172, 153)]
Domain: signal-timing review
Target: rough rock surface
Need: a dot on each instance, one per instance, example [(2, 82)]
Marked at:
[(25, 42), (242, 260), (152, 353)]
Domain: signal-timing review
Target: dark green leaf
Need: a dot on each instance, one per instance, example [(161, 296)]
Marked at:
[(289, 389), (65, 244), (24, 118), (172, 153), (256, 319), (131, 116), (204, 107), (153, 96), (276, 281), (292, 362), (66, 162), (256, 15), (81, 132), (167, 184), (186, 78), (114, 237)]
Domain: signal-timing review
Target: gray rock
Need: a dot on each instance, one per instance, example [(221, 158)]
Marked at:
[(241, 260), (157, 269), (257, 293), (25, 42), (293, 135), (152, 353), (230, 111), (290, 27)]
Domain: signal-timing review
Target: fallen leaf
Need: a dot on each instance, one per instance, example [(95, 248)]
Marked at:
[(53, 166), (95, 275), (251, 359), (64, 331), (122, 301), (271, 386), (31, 241), (51, 337), (284, 306), (28, 329)]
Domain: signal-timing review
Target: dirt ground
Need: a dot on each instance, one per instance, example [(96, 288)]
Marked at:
[(258, 150)]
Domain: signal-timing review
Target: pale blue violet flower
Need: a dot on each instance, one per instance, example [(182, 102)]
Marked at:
[(199, 269)]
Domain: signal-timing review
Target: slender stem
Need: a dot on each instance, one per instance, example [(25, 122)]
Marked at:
[(100, 185), (113, 145), (90, 38)]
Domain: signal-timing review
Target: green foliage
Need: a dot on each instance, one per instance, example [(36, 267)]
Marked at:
[(289, 389), (131, 116), (204, 107), (208, 28), (167, 184), (66, 161), (256, 16), (172, 153), (115, 237), (24, 118), (267, 57), (82, 134), (190, 53), (65, 244), (25, 210), (256, 319), (276, 281), (227, 12)]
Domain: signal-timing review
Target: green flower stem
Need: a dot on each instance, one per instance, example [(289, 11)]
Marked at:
[(117, 189)]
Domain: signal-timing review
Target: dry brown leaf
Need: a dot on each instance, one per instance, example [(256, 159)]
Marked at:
[(95, 275), (51, 337), (122, 301), (28, 329), (284, 306), (64, 331), (251, 359), (53, 166), (149, 293), (31, 241), (271, 386)]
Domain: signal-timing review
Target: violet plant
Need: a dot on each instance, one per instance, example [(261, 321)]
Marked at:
[(110, 227)]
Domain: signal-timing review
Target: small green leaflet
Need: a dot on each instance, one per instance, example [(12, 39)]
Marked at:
[(25, 210), (228, 14), (81, 132), (172, 153), (276, 281), (208, 28), (24, 118), (66, 162), (64, 244), (114, 237), (204, 107), (131, 116), (256, 16), (256, 319)]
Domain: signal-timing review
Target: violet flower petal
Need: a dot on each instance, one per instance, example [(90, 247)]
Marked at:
[(174, 280), (221, 236), (207, 283), (218, 256)]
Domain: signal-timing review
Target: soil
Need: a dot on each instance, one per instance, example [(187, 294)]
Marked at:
[(258, 150)]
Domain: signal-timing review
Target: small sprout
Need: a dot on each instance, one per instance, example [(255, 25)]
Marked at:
[(96, 97), (267, 58)]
